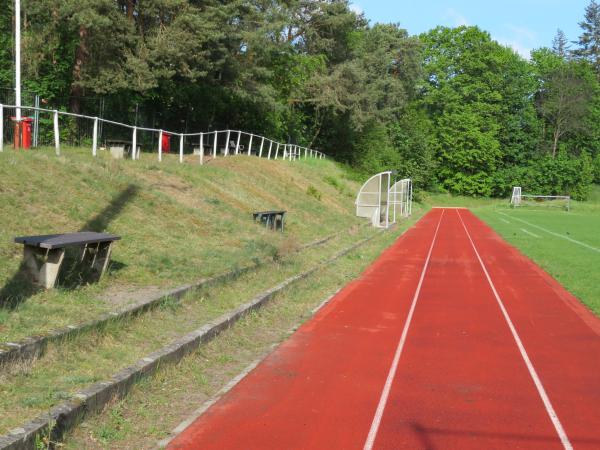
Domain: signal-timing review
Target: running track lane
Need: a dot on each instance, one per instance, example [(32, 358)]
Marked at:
[(461, 381)]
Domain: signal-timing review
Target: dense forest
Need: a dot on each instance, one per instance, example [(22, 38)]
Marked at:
[(452, 108)]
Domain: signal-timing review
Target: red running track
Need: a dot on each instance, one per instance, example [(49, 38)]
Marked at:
[(450, 340)]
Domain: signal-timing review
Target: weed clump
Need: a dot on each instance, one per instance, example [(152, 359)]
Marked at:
[(314, 192)]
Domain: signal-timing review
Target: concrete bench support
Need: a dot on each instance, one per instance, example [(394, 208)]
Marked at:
[(42, 265)]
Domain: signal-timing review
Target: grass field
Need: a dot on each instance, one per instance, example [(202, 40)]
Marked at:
[(565, 244), (179, 222)]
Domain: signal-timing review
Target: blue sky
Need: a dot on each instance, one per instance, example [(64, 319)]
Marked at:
[(523, 25)]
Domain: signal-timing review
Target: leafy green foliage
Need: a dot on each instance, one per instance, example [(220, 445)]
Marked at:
[(452, 108)]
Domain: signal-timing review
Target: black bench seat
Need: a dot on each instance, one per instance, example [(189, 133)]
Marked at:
[(43, 255), (271, 219)]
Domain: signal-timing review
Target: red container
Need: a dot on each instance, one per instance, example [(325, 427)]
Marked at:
[(166, 142), (22, 134), (26, 132)]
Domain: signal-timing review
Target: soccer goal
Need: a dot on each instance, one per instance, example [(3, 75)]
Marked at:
[(519, 199)]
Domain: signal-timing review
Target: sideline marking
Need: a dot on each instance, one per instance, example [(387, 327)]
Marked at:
[(529, 233), (505, 221), (392, 373), (532, 372), (553, 233)]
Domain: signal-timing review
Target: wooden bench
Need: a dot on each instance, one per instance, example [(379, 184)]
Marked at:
[(271, 219), (43, 255)]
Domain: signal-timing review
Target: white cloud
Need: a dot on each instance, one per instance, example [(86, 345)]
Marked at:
[(521, 39), (356, 9), (457, 18), (518, 47)]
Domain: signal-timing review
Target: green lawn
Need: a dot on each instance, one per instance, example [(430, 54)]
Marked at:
[(565, 244), (179, 222)]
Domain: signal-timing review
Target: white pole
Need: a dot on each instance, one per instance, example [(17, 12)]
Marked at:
[(134, 150), (262, 143), (181, 148), (277, 151), (270, 148), (95, 138), (160, 135), (305, 153), (250, 145), (215, 145), (18, 57), (56, 135), (227, 142), (1, 128), (201, 148), (237, 146)]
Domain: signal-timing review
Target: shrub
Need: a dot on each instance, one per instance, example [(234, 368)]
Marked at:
[(314, 192)]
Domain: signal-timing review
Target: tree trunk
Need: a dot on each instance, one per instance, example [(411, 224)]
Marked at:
[(555, 142), (81, 54), (130, 8)]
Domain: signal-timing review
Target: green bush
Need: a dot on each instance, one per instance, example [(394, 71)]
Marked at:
[(314, 192)]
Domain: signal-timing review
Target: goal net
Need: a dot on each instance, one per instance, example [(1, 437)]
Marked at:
[(518, 199)]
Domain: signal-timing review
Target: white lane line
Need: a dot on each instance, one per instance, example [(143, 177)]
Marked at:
[(529, 233), (392, 373), (505, 221), (532, 372), (589, 247)]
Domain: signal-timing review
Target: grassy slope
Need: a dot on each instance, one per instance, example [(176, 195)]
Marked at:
[(575, 266), (179, 222)]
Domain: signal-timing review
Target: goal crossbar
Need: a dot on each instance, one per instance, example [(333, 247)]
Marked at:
[(519, 199)]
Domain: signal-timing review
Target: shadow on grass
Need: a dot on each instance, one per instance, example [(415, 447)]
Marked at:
[(73, 273)]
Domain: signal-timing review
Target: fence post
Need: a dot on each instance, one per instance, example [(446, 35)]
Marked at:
[(227, 142), (160, 135), (56, 135), (250, 144), (1, 128), (262, 143), (36, 121), (284, 151), (215, 145), (181, 148), (95, 138), (270, 148), (135, 154), (201, 148), (305, 153), (237, 145), (277, 151)]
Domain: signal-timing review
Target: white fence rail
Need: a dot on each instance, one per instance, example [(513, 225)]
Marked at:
[(210, 143)]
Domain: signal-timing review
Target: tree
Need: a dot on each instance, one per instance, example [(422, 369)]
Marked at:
[(565, 94), (477, 94), (560, 44), (589, 40)]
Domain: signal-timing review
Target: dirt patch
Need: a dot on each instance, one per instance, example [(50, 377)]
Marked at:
[(126, 295)]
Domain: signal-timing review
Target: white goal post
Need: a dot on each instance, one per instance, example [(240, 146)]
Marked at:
[(519, 199)]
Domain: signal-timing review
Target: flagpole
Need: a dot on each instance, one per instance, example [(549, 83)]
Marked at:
[(18, 58)]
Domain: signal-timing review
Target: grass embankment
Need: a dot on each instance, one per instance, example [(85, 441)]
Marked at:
[(179, 223), (147, 415), (565, 244)]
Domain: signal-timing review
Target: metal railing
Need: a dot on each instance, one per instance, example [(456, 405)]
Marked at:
[(203, 143)]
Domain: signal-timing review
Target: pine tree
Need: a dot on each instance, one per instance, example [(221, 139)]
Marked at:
[(589, 41), (560, 44)]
